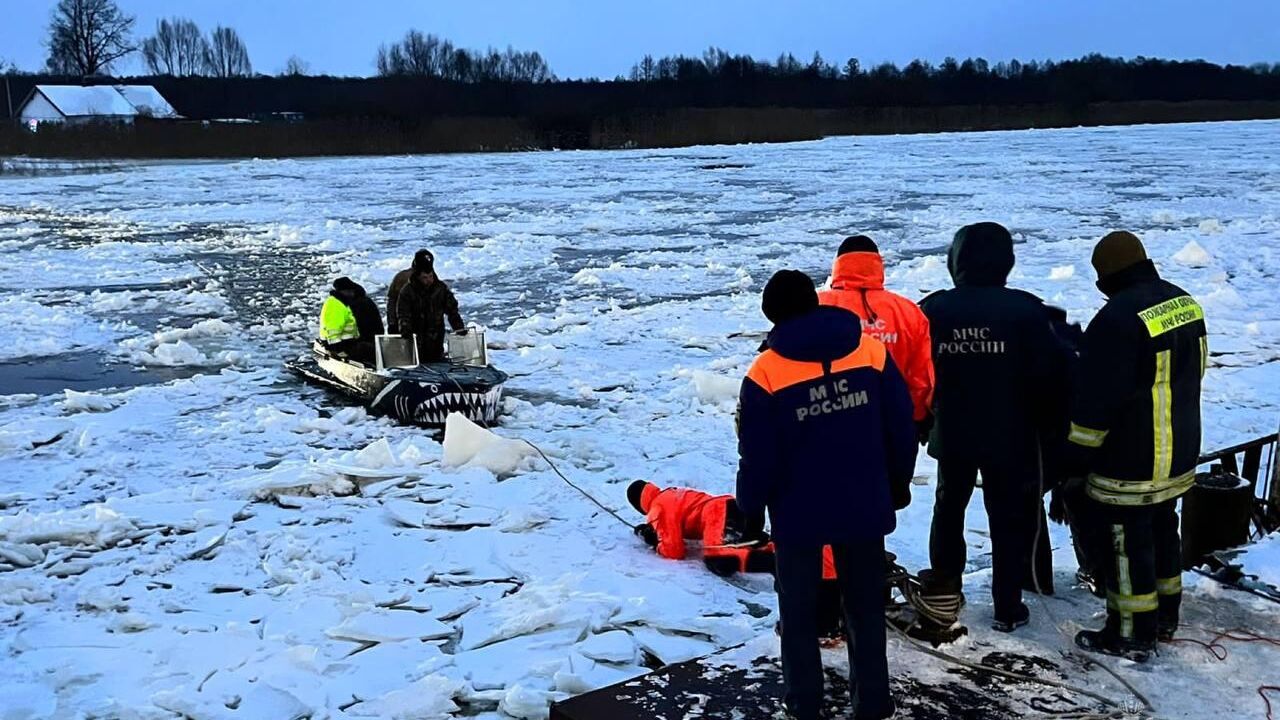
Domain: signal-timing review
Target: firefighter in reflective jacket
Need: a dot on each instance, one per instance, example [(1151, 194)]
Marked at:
[(1135, 439), (826, 443), (857, 285)]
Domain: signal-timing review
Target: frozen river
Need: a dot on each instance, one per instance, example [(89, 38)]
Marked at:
[(197, 536)]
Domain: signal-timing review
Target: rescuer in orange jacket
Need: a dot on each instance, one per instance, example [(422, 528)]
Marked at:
[(857, 285), (675, 515)]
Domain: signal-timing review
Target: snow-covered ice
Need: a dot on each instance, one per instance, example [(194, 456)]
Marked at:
[(204, 536)]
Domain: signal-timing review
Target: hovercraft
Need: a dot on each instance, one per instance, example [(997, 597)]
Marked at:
[(398, 386)]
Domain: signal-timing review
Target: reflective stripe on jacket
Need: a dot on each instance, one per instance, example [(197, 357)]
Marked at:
[(857, 285), (337, 322), (1135, 419)]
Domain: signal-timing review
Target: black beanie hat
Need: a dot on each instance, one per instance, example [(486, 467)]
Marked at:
[(1117, 251), (857, 243), (347, 286), (788, 294), (634, 491), (424, 261)]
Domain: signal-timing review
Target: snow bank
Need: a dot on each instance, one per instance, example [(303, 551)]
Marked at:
[(1263, 560), (466, 444), (1193, 255)]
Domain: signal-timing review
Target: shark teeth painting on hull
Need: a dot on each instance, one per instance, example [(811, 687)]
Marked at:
[(481, 407)]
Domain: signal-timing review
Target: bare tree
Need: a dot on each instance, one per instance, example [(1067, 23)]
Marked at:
[(87, 36), (178, 48), (425, 55), (646, 70), (228, 56), (296, 66)]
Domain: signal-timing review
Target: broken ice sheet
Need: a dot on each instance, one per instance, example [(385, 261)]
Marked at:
[(538, 606), (669, 648), (381, 625), (582, 674), (430, 698), (533, 659), (614, 646)]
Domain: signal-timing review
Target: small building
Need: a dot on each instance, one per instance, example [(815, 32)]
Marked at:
[(96, 103), (148, 101)]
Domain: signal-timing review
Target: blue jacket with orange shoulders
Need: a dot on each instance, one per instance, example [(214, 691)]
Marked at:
[(826, 440)]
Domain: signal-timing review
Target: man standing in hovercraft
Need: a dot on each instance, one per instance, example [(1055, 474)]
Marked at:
[(417, 303)]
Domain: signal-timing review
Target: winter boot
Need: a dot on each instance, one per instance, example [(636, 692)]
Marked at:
[(1101, 641), (1020, 617), (1165, 632)]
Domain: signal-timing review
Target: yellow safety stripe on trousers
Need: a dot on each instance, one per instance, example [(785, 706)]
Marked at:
[(1086, 436), (1123, 580), (1147, 602), (1142, 492), (1162, 416), (1171, 315), (1169, 585), (1204, 355)]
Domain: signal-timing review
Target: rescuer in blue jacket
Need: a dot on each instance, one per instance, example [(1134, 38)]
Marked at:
[(827, 445)]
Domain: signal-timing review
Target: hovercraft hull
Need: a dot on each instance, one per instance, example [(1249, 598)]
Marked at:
[(424, 395)]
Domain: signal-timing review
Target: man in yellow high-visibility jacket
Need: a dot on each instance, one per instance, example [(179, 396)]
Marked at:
[(349, 321)]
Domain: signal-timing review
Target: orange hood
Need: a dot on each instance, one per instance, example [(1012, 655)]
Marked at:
[(858, 271)]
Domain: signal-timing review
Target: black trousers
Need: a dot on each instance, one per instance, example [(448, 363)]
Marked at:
[(1012, 499), (1090, 533), (860, 572), (1143, 570)]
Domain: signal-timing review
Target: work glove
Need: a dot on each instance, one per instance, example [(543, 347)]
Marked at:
[(924, 428), (646, 533)]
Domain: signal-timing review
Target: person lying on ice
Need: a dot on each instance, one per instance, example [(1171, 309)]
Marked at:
[(675, 515), (729, 546)]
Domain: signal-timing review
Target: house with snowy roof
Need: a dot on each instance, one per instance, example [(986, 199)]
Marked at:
[(96, 103)]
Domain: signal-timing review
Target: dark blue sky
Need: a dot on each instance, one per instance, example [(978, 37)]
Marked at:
[(604, 37)]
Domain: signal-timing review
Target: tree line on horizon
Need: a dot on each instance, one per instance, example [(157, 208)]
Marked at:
[(424, 76)]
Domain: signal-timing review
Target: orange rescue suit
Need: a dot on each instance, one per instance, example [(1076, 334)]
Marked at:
[(857, 285), (680, 514)]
